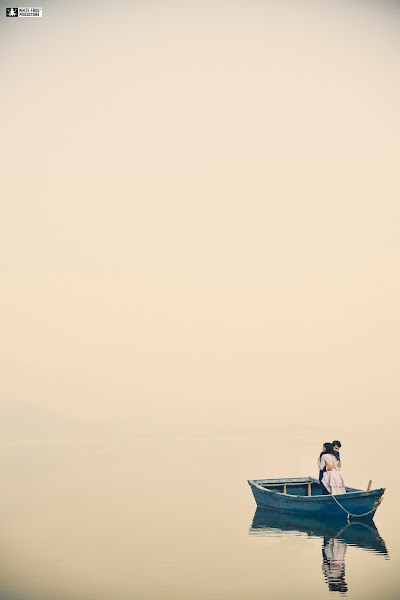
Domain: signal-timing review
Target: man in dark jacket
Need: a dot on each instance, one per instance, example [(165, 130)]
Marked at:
[(336, 449)]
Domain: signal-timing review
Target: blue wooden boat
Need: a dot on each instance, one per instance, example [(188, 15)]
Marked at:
[(303, 496)]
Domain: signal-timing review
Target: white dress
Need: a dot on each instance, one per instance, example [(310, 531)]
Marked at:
[(332, 480)]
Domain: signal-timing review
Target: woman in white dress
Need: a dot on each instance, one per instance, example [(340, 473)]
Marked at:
[(331, 479)]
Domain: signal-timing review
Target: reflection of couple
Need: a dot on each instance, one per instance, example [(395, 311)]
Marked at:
[(333, 554), (335, 540), (329, 469)]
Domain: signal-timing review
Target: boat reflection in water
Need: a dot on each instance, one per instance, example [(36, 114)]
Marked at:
[(336, 537)]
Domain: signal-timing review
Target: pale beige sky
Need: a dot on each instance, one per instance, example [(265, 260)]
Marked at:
[(200, 217)]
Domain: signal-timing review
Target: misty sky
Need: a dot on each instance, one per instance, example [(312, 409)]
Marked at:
[(199, 228)]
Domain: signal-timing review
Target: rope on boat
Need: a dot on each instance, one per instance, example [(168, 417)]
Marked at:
[(349, 514)]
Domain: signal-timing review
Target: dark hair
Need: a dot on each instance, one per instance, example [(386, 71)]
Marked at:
[(326, 444), (336, 443), (329, 448)]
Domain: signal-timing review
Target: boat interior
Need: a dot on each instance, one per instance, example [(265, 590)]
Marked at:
[(307, 486)]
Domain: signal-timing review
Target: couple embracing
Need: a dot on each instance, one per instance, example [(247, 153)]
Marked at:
[(329, 469)]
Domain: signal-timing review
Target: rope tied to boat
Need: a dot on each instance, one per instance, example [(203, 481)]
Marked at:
[(349, 514)]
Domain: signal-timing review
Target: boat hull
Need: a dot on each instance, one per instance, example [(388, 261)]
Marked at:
[(355, 502)]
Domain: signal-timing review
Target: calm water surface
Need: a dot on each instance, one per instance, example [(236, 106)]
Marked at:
[(175, 518)]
